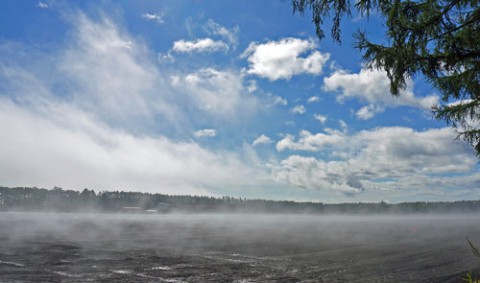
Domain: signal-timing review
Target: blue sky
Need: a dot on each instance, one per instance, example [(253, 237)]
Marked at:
[(213, 98)]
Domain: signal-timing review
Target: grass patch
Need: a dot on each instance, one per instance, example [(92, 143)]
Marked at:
[(476, 252)]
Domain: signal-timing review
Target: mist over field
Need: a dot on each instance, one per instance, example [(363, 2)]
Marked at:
[(234, 141), (73, 247)]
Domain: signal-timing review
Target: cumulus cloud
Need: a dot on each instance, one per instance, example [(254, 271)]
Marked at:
[(199, 45), (320, 118), (310, 173), (372, 87), (383, 158), (262, 139), (299, 109), (368, 112), (205, 133), (155, 17), (283, 59), (309, 142)]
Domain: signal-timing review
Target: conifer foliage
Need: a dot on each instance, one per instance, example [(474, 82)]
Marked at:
[(435, 38)]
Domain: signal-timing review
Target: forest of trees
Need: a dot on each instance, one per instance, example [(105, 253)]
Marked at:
[(61, 200)]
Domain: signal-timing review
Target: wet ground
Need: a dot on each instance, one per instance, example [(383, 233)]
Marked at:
[(42, 247)]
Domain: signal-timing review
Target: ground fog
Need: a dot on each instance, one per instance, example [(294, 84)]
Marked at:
[(51, 247)]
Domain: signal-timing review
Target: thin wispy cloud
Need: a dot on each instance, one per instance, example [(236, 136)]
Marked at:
[(220, 93), (320, 118), (42, 5), (159, 18), (222, 39), (313, 99), (210, 133), (230, 35), (199, 45), (279, 100)]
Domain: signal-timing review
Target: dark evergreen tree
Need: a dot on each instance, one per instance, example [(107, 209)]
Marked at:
[(439, 39)]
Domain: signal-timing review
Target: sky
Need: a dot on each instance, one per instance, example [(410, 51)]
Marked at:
[(214, 98)]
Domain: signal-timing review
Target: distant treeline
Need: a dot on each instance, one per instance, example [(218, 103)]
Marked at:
[(61, 200)]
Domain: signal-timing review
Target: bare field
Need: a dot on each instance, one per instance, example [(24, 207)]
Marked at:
[(49, 247)]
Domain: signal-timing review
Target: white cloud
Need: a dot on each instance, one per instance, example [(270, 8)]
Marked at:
[(279, 100), (110, 74), (282, 59), (230, 35), (114, 74), (199, 45), (320, 118), (372, 87), (309, 142), (42, 5), (313, 99), (219, 93), (63, 146), (299, 109), (368, 112), (208, 45), (432, 151), (165, 57), (205, 133), (158, 18), (313, 174), (82, 124), (379, 159), (252, 86), (262, 139)]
